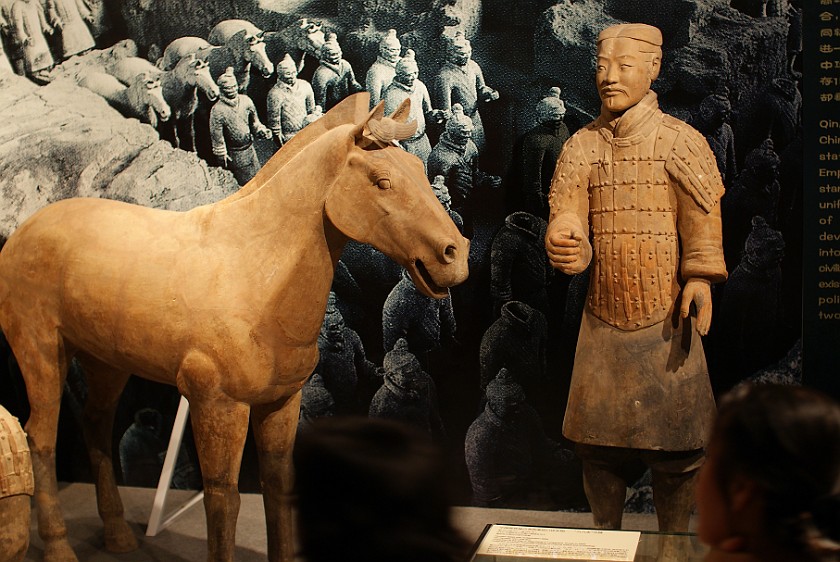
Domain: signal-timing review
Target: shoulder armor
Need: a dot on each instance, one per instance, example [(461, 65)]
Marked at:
[(691, 162), (572, 170)]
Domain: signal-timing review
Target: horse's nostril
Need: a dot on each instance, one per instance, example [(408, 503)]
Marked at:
[(450, 253)]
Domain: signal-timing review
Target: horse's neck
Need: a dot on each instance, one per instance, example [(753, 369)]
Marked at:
[(134, 103), (285, 219), (177, 92), (230, 57)]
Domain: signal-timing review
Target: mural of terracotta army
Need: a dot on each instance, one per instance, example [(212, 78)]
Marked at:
[(71, 19), (289, 102), (29, 24), (382, 71), (461, 80), (540, 147), (334, 79), (233, 125), (407, 85), (637, 193), (408, 393), (455, 157)]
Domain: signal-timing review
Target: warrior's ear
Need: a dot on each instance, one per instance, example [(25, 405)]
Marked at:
[(401, 113)]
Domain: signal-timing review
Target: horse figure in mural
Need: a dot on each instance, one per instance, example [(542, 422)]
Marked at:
[(141, 98), (224, 301), (240, 51), (180, 87)]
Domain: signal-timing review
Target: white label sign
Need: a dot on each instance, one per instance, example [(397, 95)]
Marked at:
[(559, 544)]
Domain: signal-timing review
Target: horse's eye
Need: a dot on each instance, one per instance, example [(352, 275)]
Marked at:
[(384, 183)]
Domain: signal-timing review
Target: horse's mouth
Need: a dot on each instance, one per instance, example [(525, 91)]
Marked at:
[(212, 97), (267, 73), (423, 280)]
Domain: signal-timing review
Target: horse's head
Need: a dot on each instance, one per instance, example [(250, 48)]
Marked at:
[(311, 37), (382, 198), (196, 73), (252, 47), (145, 91)]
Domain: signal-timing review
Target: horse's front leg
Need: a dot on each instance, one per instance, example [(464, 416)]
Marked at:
[(274, 428), (220, 426)]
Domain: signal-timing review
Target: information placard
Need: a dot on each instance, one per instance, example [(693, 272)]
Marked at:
[(558, 544)]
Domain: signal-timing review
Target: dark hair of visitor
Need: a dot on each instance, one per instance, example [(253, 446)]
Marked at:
[(373, 490), (786, 439)]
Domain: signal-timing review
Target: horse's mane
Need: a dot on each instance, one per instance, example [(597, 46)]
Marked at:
[(352, 110)]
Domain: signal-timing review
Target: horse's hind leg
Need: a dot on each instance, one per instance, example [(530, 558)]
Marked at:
[(105, 384), (43, 362)]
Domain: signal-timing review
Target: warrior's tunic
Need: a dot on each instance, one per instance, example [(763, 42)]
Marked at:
[(645, 185), (464, 85), (287, 108)]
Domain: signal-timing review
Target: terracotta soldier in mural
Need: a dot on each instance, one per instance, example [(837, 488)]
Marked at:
[(455, 157), (713, 121), (382, 71), (461, 81), (442, 194), (233, 125), (29, 24), (289, 102), (407, 85), (637, 192), (538, 152), (334, 79), (71, 19)]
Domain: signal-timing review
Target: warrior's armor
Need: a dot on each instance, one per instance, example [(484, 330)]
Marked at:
[(382, 71), (640, 186), (288, 104)]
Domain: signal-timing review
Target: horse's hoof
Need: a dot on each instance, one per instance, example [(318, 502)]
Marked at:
[(119, 537), (59, 551)]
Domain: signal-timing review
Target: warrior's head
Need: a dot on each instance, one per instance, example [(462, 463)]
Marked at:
[(228, 85), (331, 50), (551, 110), (628, 61), (460, 50), (389, 47), (406, 70), (287, 70)]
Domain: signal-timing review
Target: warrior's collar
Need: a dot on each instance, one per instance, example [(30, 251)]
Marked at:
[(638, 121), (233, 102), (337, 68), (410, 89)]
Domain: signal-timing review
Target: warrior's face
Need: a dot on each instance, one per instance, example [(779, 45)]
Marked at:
[(287, 74), (406, 76), (332, 55), (624, 72), (390, 51)]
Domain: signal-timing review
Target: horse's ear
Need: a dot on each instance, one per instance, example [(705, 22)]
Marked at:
[(378, 112), (401, 113)]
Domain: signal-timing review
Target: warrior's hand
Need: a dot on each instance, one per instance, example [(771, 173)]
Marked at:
[(265, 133), (568, 248), (698, 291)]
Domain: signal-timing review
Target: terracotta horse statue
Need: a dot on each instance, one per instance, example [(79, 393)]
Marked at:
[(240, 51), (141, 98), (224, 301), (180, 88)]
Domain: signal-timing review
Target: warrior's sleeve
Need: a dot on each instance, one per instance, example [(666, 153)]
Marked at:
[(319, 87), (692, 166), (310, 97), (480, 84), (18, 24), (274, 113), (253, 119), (443, 93), (568, 198), (46, 27), (217, 134)]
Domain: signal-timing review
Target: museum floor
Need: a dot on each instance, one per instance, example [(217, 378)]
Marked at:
[(183, 540)]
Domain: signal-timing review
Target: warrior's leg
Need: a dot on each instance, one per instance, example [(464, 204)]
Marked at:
[(605, 487), (674, 475)]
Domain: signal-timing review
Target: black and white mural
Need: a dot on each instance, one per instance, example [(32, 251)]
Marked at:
[(130, 100)]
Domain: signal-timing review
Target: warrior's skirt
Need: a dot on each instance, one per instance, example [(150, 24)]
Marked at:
[(641, 389)]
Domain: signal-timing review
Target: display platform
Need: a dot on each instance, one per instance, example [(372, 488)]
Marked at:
[(522, 543), (185, 539)]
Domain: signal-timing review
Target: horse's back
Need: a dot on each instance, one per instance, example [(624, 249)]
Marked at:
[(181, 47), (226, 29), (126, 69), (106, 85)]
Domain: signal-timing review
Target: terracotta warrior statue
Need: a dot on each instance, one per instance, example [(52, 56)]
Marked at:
[(233, 125), (17, 486), (289, 102), (637, 192), (382, 71), (334, 78)]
